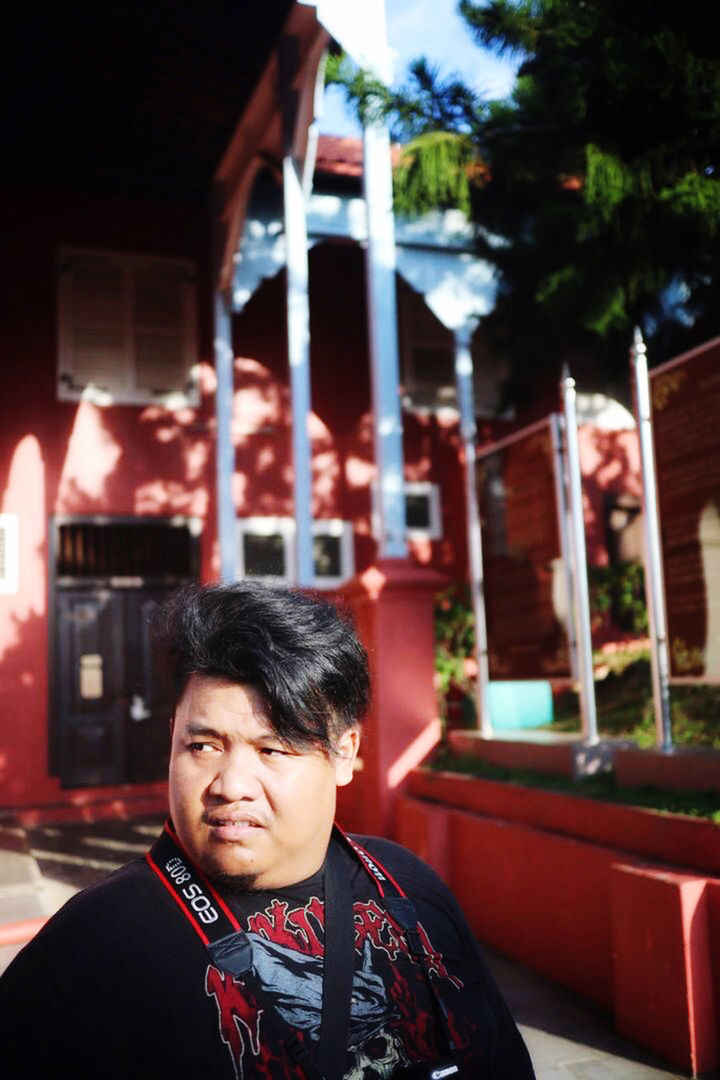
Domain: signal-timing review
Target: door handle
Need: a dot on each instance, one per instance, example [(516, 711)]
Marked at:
[(138, 708)]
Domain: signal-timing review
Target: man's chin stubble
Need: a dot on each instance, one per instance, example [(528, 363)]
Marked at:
[(234, 884)]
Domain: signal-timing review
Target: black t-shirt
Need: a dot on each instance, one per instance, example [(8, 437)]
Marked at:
[(118, 985)]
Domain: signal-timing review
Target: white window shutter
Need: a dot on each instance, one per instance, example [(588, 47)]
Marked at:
[(127, 328), (93, 323), (162, 327)]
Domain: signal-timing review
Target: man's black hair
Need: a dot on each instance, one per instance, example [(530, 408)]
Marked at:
[(297, 649)]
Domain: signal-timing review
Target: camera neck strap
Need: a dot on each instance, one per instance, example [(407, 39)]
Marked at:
[(217, 927), (231, 950), (402, 910)]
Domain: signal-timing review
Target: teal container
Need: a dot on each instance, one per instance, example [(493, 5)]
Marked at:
[(515, 705)]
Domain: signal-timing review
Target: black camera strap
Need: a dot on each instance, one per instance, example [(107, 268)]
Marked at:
[(221, 933), (402, 911), (230, 949)]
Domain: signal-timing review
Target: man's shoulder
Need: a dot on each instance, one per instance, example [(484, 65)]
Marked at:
[(113, 901), (409, 870)]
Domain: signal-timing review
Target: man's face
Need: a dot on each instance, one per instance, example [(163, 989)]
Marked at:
[(242, 802)]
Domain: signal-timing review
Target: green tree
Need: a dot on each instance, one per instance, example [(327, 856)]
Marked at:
[(600, 173)]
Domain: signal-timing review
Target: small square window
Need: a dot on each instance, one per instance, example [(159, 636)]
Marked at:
[(417, 511), (266, 550), (333, 552), (423, 517), (327, 556), (264, 556)]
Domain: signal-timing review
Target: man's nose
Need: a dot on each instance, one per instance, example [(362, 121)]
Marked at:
[(236, 777)]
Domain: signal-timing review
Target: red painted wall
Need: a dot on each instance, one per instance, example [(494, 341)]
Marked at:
[(610, 465), (58, 457), (589, 899)]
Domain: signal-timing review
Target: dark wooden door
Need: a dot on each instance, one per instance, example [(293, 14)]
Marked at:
[(114, 707), (149, 699), (90, 647)]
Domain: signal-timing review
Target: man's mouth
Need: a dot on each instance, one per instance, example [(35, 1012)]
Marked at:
[(230, 827)]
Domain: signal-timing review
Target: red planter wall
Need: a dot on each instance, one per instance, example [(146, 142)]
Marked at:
[(583, 891)]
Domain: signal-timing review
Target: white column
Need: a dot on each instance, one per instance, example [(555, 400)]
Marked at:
[(654, 583), (565, 536), (466, 404), (383, 340), (224, 450), (580, 584), (298, 329)]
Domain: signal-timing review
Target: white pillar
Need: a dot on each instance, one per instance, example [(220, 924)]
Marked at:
[(564, 520), (580, 584), (383, 340), (654, 583), (224, 449), (298, 330), (466, 405)]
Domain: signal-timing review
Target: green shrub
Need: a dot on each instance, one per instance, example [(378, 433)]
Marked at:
[(618, 591), (454, 637)]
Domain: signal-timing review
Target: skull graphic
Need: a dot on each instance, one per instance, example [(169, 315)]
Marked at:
[(377, 1057)]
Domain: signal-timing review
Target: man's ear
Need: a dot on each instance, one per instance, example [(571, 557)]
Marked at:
[(344, 754)]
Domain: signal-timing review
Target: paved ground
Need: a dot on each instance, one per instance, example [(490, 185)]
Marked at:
[(41, 867)]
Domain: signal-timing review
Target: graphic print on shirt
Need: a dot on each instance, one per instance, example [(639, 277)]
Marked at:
[(390, 1005)]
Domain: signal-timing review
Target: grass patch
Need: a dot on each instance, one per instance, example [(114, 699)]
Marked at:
[(623, 695), (697, 804)]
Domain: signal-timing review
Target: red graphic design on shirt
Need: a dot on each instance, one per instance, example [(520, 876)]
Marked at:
[(391, 1008), (295, 928), (237, 1014)]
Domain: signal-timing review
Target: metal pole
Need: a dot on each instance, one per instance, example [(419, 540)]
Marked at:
[(224, 450), (565, 532), (654, 583), (298, 329), (580, 585), (380, 266), (466, 404)]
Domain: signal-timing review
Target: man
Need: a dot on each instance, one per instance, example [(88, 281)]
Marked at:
[(255, 940)]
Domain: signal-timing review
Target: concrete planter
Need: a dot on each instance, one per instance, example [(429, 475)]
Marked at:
[(622, 904)]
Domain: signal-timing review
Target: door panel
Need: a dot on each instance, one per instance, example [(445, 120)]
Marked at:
[(90, 665), (150, 699)]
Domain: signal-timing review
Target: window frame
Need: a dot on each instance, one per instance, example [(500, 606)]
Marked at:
[(432, 491), (272, 525), (413, 487), (129, 393)]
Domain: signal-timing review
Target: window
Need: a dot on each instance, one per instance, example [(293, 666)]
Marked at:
[(127, 329), (126, 552), (8, 553), (423, 517), (266, 550), (333, 552), (427, 354)]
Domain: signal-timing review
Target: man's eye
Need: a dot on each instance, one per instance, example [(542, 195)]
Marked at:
[(200, 747), (272, 751)]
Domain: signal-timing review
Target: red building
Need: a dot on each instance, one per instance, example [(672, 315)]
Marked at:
[(135, 160)]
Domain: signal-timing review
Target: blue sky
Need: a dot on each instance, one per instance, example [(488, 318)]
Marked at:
[(430, 28)]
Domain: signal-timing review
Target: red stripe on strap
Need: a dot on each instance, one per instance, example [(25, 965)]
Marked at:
[(211, 889), (183, 907)]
